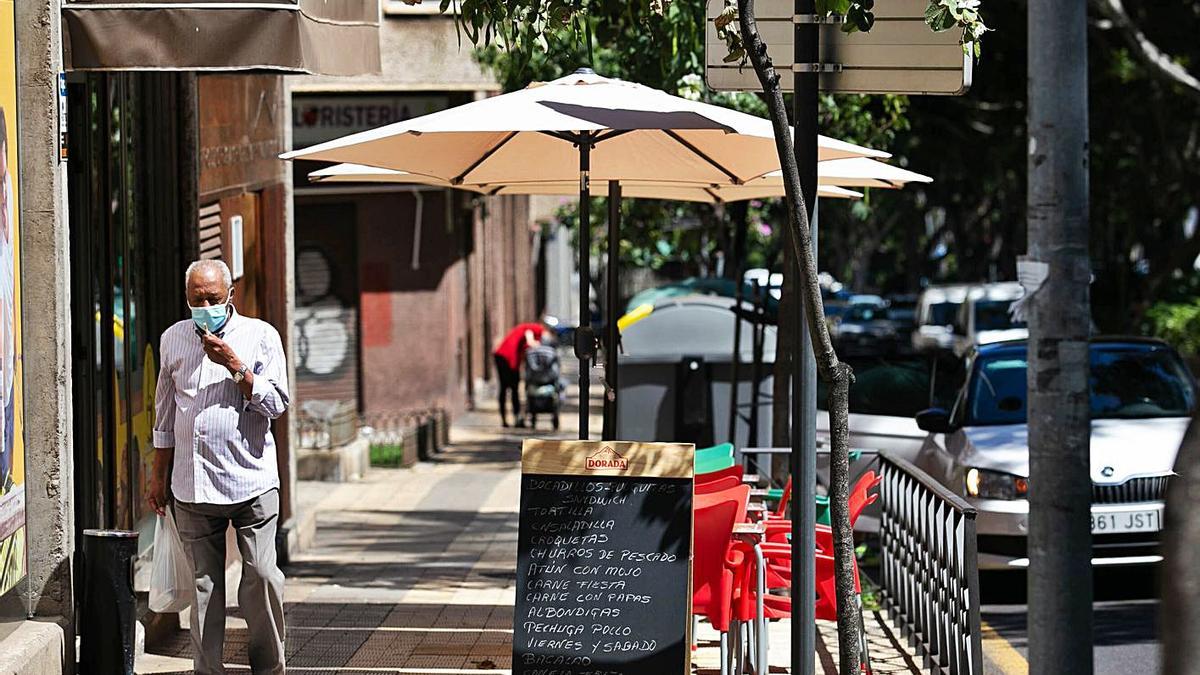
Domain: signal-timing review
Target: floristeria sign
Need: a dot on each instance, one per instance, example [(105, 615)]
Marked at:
[(604, 558), (324, 117)]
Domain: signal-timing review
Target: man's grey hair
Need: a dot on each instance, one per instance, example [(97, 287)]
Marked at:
[(209, 266)]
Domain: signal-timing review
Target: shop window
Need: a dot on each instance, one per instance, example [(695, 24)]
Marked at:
[(126, 253)]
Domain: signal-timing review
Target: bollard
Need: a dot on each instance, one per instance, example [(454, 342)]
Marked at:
[(422, 440), (444, 426), (106, 626), (435, 432)]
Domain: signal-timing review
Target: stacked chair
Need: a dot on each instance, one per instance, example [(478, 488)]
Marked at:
[(737, 583)]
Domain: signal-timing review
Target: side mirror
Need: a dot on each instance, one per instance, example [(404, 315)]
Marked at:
[(934, 421)]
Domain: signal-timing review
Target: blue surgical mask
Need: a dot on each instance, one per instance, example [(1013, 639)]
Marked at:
[(212, 317)]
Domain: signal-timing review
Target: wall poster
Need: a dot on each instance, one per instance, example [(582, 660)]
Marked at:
[(12, 445)]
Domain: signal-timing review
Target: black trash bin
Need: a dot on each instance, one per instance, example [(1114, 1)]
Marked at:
[(106, 624)]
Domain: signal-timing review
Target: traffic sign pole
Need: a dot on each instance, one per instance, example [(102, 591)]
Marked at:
[(804, 367)]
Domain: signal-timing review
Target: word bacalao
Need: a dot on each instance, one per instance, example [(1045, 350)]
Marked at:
[(607, 458)]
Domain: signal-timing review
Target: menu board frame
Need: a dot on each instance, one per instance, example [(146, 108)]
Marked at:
[(616, 459)]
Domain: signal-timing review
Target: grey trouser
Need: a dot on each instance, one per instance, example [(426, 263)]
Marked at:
[(260, 596)]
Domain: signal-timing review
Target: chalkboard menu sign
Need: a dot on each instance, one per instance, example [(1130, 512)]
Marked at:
[(604, 559)]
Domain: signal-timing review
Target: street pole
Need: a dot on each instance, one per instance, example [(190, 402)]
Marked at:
[(740, 223), (612, 333), (1060, 539), (804, 379)]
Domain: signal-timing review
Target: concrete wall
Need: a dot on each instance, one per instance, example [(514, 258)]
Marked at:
[(35, 648), (417, 52), (291, 522), (46, 325)]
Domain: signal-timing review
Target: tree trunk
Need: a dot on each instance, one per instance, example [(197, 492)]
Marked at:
[(837, 374), (1060, 538), (1181, 592)]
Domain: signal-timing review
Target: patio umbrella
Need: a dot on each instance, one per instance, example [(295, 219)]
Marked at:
[(686, 192), (582, 127)]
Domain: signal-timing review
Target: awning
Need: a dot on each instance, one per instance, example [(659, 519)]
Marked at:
[(322, 37)]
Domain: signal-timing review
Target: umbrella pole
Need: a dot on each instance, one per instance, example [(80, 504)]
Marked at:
[(585, 341), (612, 333), (739, 248)]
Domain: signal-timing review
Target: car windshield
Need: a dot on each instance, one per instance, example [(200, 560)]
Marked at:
[(1127, 380), (943, 313), (863, 313), (899, 386), (994, 315)]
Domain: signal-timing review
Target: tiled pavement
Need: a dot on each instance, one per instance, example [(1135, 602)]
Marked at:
[(413, 571)]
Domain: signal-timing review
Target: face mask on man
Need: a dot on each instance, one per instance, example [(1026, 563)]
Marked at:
[(212, 317)]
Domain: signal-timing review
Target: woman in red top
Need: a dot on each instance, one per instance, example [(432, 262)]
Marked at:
[(508, 356)]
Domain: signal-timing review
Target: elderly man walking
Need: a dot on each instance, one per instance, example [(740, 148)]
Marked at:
[(223, 379)]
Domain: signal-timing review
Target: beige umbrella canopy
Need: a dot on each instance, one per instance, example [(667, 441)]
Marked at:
[(833, 176), (636, 133), (687, 192)]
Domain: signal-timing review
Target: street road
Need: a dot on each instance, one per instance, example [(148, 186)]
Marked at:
[(1125, 618)]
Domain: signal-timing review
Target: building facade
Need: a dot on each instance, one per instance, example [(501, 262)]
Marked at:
[(402, 290), (125, 172)]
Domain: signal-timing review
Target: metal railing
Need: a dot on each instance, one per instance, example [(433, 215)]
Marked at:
[(929, 567)]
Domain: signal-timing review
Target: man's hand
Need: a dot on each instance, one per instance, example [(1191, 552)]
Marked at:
[(156, 496), (220, 353)]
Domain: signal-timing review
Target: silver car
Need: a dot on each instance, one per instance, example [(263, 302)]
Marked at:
[(1142, 397)]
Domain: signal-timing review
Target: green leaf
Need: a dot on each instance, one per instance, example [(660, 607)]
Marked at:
[(862, 19)]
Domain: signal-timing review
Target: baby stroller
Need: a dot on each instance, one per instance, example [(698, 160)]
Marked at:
[(543, 383)]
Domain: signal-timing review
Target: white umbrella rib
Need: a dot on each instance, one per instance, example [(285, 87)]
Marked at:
[(458, 180), (702, 155)]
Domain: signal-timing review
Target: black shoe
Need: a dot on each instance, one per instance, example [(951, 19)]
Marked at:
[(520, 424), (504, 423)]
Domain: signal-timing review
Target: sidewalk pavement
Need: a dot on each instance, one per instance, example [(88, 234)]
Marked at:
[(413, 571)]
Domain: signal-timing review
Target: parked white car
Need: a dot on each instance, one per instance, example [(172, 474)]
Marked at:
[(985, 317), (937, 309), (1142, 398)]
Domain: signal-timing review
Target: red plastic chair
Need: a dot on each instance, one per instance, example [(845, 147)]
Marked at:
[(734, 470), (715, 561), (778, 559), (778, 530), (781, 511), (719, 485)]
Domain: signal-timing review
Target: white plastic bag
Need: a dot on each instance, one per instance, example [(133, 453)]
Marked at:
[(172, 587)]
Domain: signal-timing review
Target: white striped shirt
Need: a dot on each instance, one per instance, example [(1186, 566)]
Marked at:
[(224, 450)]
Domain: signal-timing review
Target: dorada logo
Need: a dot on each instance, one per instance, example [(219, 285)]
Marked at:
[(607, 458)]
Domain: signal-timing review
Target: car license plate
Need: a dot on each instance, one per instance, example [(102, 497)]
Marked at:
[(1128, 521)]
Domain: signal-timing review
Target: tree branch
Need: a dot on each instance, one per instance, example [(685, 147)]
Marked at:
[(838, 375), (1159, 63), (799, 235)]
